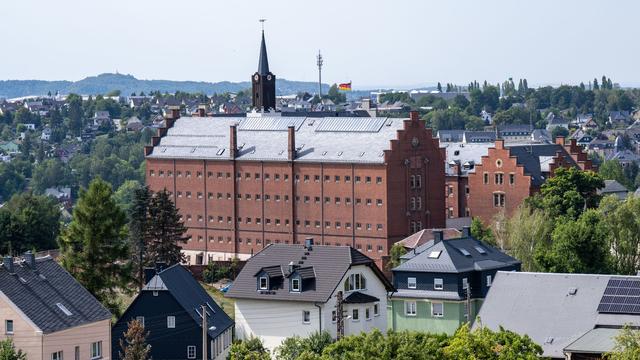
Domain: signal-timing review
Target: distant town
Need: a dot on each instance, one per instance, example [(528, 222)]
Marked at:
[(462, 221)]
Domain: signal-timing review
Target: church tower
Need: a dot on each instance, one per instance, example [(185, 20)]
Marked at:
[(263, 83)]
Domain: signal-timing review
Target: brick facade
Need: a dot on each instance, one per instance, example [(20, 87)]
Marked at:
[(236, 207)]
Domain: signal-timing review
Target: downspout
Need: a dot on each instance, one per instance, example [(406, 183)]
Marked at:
[(319, 317)]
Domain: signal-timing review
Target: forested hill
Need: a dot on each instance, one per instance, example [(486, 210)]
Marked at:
[(127, 84)]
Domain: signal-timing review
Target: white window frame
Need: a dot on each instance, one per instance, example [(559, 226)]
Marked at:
[(465, 283), (355, 315), (96, 350), (376, 309), (293, 287), (410, 308), (191, 351), (438, 284), (171, 322), (412, 283), (306, 317), (140, 319), (6, 327), (367, 313), (439, 315), (334, 316), (266, 281), (489, 280)]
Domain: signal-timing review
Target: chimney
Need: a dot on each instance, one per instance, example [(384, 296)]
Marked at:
[(8, 263), (291, 147), (499, 144), (308, 243), (560, 140), (233, 141), (466, 231), (30, 259), (174, 113), (291, 267), (414, 116), (437, 236), (201, 111)]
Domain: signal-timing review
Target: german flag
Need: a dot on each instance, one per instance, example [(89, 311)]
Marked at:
[(345, 86)]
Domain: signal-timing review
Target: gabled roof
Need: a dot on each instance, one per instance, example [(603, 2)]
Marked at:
[(190, 295), (426, 235), (44, 293), (329, 263), (536, 159), (541, 305), (452, 257), (357, 297), (612, 186)]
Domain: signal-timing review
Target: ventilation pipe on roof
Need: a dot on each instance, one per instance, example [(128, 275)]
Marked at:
[(233, 141), (437, 236), (291, 145), (8, 264), (201, 111), (291, 267), (466, 231), (30, 259)]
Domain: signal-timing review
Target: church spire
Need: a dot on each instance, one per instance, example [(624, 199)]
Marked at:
[(263, 63), (263, 81)]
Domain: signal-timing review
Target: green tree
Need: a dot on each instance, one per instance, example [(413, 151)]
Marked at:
[(627, 345), (335, 95), (527, 230), (397, 250), (94, 248), (139, 221), (612, 170), (293, 347), (125, 194), (134, 344), (559, 131), (481, 232), (11, 181), (29, 222), (51, 173), (74, 103), (623, 232), (250, 349), (8, 351), (166, 230), (577, 246), (483, 343)]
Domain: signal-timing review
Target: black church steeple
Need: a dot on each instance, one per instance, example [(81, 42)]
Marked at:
[(263, 82)]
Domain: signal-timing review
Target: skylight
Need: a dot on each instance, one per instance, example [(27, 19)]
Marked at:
[(465, 252), (64, 309), (435, 254), (480, 249)]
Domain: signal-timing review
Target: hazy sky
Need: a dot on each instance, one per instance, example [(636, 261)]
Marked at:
[(373, 43)]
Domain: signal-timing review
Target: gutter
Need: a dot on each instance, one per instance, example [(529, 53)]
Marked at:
[(319, 316)]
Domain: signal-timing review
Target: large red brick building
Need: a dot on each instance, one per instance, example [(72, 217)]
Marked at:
[(487, 180), (243, 183)]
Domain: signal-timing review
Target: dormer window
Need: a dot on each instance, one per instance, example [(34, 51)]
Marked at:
[(295, 285), (263, 283)]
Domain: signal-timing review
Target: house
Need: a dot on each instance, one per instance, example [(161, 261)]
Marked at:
[(473, 137), (450, 135), (46, 134), (10, 147), (101, 117), (554, 121), (171, 307), (572, 316), (582, 119), (134, 124), (461, 162), (514, 133), (589, 125), (619, 118), (443, 281), (286, 290), (612, 187), (48, 314), (427, 235), (624, 156)]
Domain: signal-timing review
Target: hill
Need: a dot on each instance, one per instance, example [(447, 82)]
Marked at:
[(128, 84)]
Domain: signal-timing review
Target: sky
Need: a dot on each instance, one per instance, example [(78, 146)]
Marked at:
[(374, 44)]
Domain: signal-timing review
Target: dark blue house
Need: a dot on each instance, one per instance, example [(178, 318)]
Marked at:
[(442, 283), (170, 307)]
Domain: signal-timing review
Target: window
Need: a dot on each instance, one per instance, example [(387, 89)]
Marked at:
[(499, 178), (355, 282), (489, 279), (191, 352), (498, 199), (367, 179), (486, 178), (355, 316), (96, 350), (437, 309), (378, 180), (334, 316), (410, 308), (357, 179), (376, 310), (438, 284), (306, 317), (367, 313), (295, 285), (8, 327), (347, 178), (77, 353), (418, 181), (411, 283), (140, 320), (171, 322), (56, 355), (263, 283), (465, 284)]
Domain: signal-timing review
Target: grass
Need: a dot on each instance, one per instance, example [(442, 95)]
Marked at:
[(225, 303)]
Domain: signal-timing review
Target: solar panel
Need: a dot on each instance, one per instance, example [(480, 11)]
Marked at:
[(621, 296)]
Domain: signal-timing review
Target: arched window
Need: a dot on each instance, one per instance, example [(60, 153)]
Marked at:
[(355, 282)]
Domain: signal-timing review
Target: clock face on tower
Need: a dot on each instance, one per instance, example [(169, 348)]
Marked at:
[(269, 77), (256, 77)]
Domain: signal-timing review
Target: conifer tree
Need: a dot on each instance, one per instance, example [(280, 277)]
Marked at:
[(134, 345), (138, 231), (166, 230), (94, 247)]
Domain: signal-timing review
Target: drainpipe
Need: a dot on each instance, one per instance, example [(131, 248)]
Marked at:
[(319, 317)]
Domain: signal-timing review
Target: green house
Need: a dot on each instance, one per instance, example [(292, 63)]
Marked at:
[(442, 283)]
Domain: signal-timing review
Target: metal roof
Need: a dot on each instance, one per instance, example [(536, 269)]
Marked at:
[(273, 124), (596, 341), (351, 124)]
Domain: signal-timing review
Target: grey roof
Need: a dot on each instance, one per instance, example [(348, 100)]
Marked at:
[(330, 263), (357, 297), (614, 187), (263, 63), (329, 139), (596, 341), (539, 305), (37, 293), (452, 258), (536, 159), (450, 135), (191, 296), (479, 136), (462, 154)]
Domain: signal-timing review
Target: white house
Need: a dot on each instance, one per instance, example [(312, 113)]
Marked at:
[(287, 290)]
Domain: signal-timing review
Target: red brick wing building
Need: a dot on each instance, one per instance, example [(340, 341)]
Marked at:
[(243, 183)]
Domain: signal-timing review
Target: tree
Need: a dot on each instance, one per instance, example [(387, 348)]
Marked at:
[(75, 114), (250, 349), (8, 351), (484, 343), (166, 230), (125, 194), (559, 131), (623, 232), (293, 347), (139, 221), (480, 232), (11, 181), (627, 345), (577, 246), (94, 247), (612, 170), (51, 173), (335, 95), (134, 344), (527, 230), (29, 222), (397, 250)]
